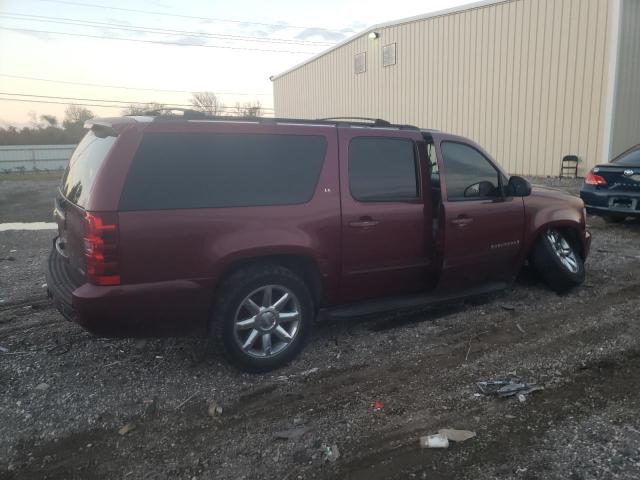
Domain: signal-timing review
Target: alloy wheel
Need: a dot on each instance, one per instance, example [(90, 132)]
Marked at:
[(267, 321), (562, 250)]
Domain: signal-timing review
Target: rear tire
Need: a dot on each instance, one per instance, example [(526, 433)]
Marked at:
[(557, 261), (262, 317), (614, 218)]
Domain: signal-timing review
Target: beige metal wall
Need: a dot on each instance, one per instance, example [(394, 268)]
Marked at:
[(527, 79), (626, 113)]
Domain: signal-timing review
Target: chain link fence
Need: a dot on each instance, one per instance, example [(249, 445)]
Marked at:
[(28, 158)]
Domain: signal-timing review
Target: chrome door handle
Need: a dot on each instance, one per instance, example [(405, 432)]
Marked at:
[(364, 222), (462, 221)]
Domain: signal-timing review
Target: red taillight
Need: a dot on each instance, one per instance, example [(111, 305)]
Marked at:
[(593, 179), (101, 248)]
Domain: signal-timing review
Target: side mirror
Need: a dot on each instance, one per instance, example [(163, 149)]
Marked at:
[(518, 187)]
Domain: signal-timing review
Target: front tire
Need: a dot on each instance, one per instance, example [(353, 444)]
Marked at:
[(557, 261), (262, 317)]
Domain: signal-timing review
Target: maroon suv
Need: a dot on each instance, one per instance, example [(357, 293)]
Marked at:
[(252, 228)]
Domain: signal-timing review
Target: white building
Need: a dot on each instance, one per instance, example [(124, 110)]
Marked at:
[(530, 80)]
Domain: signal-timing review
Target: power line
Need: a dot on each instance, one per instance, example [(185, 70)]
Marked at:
[(123, 87), (123, 102), (193, 17), (143, 29), (158, 42), (60, 103), (120, 107)]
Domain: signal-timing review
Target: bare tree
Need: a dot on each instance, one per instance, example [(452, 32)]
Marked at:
[(248, 109), (33, 117), (207, 102), (142, 108), (76, 115), (50, 120), (253, 109)]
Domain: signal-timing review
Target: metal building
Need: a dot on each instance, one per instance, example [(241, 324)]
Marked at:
[(530, 80)]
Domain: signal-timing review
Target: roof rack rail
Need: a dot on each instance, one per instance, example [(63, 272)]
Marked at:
[(165, 114), (374, 122), (377, 122), (186, 112)]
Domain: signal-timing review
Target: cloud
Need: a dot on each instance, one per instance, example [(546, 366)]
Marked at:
[(190, 40), (320, 34), (262, 30), (109, 32), (354, 27), (38, 35), (117, 20)]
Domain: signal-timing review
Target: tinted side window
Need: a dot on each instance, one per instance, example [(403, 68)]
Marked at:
[(222, 170), (467, 173), (83, 167), (382, 169)]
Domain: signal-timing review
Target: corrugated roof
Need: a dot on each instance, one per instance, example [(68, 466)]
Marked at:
[(417, 18)]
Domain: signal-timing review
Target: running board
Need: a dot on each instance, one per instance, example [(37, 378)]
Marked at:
[(405, 302)]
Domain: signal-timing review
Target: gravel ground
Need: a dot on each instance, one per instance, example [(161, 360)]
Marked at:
[(66, 393)]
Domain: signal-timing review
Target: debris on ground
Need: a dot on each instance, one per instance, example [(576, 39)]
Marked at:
[(444, 435), (466, 357), (3, 349), (434, 441), (331, 453), (507, 388), (377, 406), (456, 435), (127, 428), (293, 434), (184, 402), (506, 306), (150, 407), (215, 410), (42, 386)]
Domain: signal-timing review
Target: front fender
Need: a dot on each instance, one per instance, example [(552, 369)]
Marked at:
[(554, 211)]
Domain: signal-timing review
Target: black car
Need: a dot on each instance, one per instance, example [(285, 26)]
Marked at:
[(612, 190)]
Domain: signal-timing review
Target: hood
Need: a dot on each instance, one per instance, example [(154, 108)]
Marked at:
[(544, 191), (550, 193)]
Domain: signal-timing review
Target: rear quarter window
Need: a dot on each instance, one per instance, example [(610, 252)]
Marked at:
[(83, 167), (179, 171)]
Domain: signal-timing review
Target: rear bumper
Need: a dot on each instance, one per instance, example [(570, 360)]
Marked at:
[(61, 282), (143, 310), (611, 202)]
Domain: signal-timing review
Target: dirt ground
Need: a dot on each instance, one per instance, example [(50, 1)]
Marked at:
[(66, 394)]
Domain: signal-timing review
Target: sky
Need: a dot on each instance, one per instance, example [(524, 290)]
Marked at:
[(162, 50)]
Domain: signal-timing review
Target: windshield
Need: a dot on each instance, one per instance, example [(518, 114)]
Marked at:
[(83, 167)]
